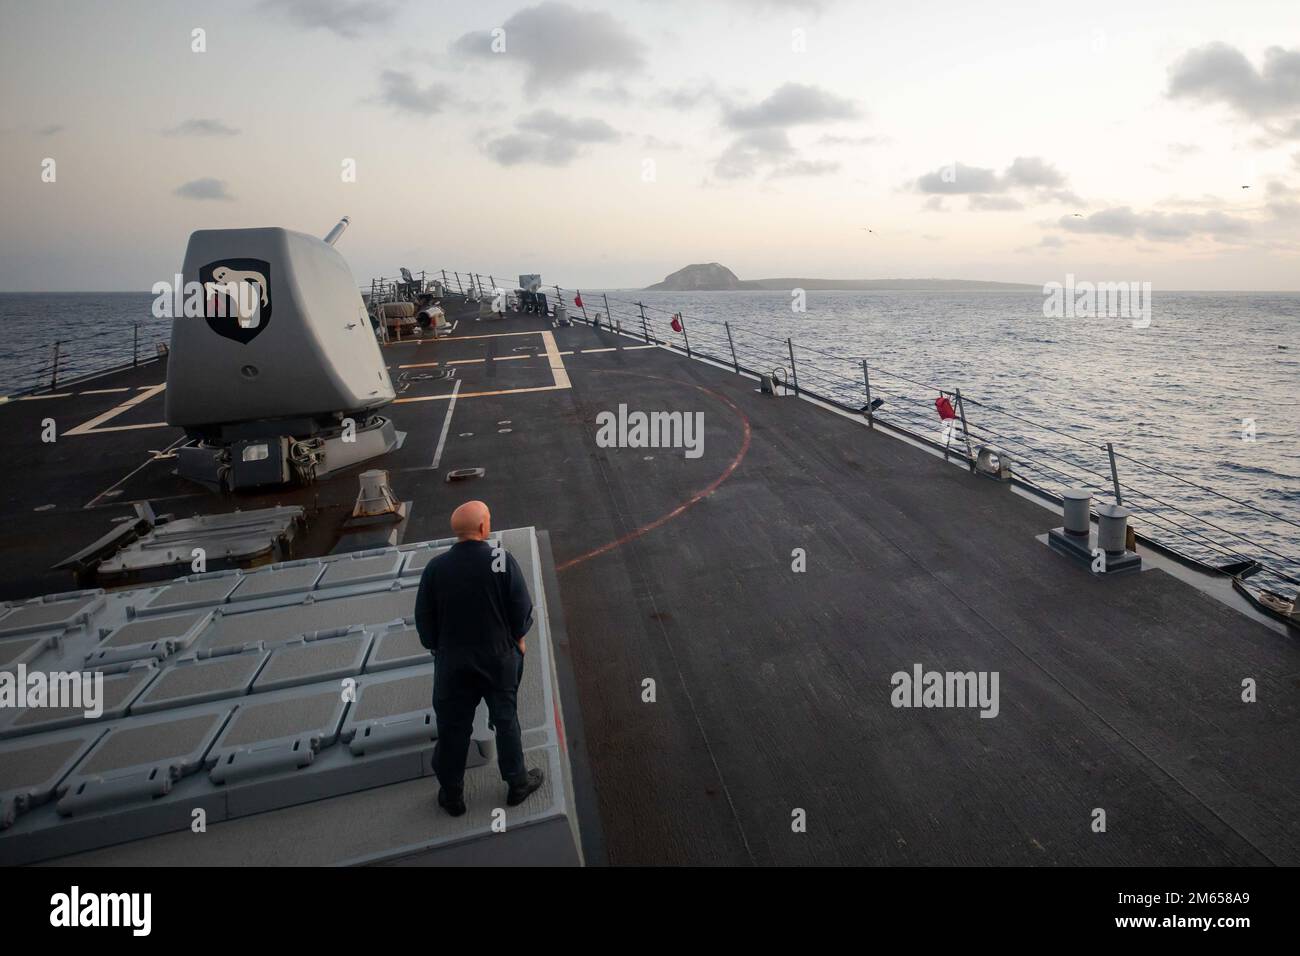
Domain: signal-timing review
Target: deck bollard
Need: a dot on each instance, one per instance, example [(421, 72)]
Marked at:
[(1078, 505), (1112, 528)]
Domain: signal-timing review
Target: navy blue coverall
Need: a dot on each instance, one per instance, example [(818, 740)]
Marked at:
[(471, 618)]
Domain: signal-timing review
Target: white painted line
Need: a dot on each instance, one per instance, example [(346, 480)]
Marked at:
[(633, 348), (466, 361), (91, 426), (446, 424), (557, 363), (590, 351), (38, 398), (513, 358), (419, 365), (103, 391)]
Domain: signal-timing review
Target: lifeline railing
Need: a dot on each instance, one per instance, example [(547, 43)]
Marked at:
[(46, 366), (1047, 459)]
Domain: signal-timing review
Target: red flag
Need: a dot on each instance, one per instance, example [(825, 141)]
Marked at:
[(944, 408), (677, 322), (577, 300)]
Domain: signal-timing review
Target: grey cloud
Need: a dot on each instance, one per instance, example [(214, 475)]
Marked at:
[(50, 130), (205, 188), (958, 179), (1033, 171), (1031, 177), (402, 93), (201, 127), (1222, 73), (347, 18), (548, 139), (550, 123), (556, 43), (1123, 222), (750, 151), (791, 104), (1285, 210)]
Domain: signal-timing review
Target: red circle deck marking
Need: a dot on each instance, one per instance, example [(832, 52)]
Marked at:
[(693, 499)]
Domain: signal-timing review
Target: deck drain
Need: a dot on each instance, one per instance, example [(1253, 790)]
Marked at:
[(466, 435), (504, 431), (506, 422), (464, 474)]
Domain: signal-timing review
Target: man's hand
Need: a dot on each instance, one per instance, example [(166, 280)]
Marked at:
[(523, 648)]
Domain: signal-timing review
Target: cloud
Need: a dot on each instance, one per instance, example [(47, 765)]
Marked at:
[(749, 151), (1033, 171), (1123, 222), (547, 138), (958, 179), (402, 93), (791, 104), (346, 18), (1027, 180), (205, 188), (201, 127), (1221, 74), (556, 43), (50, 130)]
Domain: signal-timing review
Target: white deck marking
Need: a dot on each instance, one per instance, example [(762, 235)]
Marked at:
[(38, 398), (590, 351), (419, 365), (446, 424), (92, 426), (466, 361), (103, 391)]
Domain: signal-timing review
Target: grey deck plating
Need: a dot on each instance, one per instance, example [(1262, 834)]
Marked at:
[(772, 686)]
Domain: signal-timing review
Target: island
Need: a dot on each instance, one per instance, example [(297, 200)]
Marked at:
[(715, 277)]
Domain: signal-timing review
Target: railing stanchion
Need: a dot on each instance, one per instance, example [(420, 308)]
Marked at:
[(866, 380), (685, 335), (794, 373), (459, 286), (54, 369), (970, 455), (135, 345), (444, 280), (1114, 473), (608, 318), (734, 362), (645, 329)]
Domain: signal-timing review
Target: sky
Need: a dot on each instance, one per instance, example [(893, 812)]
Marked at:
[(606, 145)]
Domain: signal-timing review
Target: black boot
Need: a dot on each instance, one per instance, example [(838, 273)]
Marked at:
[(453, 801), (519, 791)]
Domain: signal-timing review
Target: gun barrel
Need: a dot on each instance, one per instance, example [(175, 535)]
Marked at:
[(339, 227)]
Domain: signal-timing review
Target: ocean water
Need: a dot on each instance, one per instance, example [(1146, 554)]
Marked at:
[(94, 330), (1209, 393), (1202, 406)]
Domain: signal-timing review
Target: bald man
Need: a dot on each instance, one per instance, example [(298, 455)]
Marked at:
[(473, 612)]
